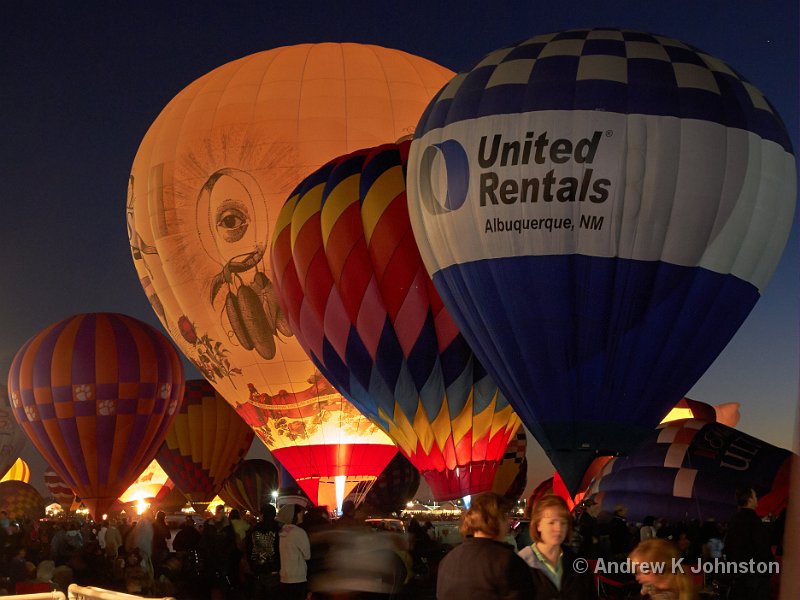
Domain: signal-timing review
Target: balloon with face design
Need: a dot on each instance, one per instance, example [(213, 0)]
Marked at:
[(205, 190)]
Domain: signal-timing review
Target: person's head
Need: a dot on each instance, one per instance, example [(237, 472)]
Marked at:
[(268, 513), (234, 515), (348, 508), (485, 517), (161, 516), (219, 513), (746, 498), (45, 570), (291, 514), (657, 566), (620, 511), (649, 521), (551, 522), (188, 521)]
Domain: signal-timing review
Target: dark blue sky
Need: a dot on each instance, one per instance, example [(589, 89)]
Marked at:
[(82, 81)]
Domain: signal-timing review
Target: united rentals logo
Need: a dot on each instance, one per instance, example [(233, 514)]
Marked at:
[(456, 165), (529, 170)]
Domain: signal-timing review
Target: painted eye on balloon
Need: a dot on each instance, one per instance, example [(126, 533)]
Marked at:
[(232, 221)]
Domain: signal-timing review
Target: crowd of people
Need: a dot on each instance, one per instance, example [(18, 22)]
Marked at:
[(300, 553)]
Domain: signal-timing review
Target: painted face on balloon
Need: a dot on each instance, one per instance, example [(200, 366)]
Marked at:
[(228, 207)]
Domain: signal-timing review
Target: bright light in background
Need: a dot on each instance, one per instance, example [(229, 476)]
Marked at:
[(141, 506), (275, 498), (339, 481)]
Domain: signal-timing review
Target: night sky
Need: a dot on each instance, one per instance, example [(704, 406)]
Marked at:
[(82, 82)]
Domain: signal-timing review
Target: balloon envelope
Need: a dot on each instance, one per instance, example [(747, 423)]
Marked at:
[(21, 500), (600, 210), (205, 189), (153, 483), (394, 488), (358, 298), (251, 485), (19, 471), (690, 469), (204, 444), (61, 493), (512, 473), (95, 393)]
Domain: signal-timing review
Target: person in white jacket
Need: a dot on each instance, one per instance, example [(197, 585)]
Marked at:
[(294, 550)]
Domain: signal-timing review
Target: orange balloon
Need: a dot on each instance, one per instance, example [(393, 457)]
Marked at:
[(206, 187)]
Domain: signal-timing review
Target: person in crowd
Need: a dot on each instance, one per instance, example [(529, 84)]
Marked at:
[(137, 579), (188, 538), (240, 527), (161, 534), (295, 550), (748, 538), (348, 518), (587, 530), (648, 529), (483, 566), (619, 535), (140, 538), (113, 540), (263, 555), (551, 562), (659, 573), (101, 535), (219, 551)]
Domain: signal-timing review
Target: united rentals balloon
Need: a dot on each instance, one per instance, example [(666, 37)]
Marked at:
[(690, 469), (12, 438), (205, 189), (600, 210), (204, 444), (19, 471), (356, 294), (20, 500), (251, 485), (96, 393)]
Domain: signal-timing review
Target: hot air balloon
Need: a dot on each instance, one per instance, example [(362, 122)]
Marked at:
[(12, 438), (205, 189), (19, 471), (512, 473), (600, 210), (690, 469), (153, 485), (95, 393), (726, 413), (251, 485), (20, 500), (59, 491), (204, 444), (394, 488), (355, 291)]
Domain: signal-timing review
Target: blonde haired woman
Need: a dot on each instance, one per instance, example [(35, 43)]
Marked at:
[(658, 554), (553, 565), (483, 567)]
